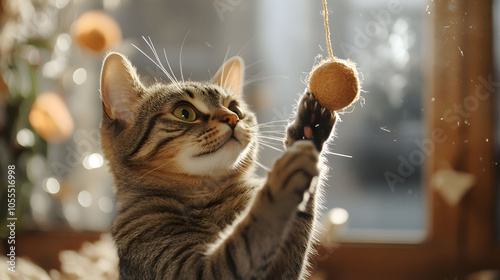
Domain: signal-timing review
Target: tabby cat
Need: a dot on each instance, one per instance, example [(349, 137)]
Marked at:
[(190, 206)]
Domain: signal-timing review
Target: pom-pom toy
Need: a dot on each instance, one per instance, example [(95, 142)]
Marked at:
[(334, 82)]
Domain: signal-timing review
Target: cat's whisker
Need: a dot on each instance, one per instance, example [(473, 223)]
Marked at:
[(262, 166), (272, 131), (171, 75), (240, 166), (157, 65), (280, 127), (281, 122), (269, 137), (270, 143), (148, 57), (269, 146), (275, 121), (276, 135), (269, 131), (271, 126), (209, 73), (256, 79), (336, 154), (254, 63), (245, 45), (180, 54), (255, 161), (280, 130), (158, 62), (169, 67), (275, 141), (267, 141)]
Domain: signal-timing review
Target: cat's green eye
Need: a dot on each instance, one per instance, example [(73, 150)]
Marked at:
[(184, 112), (237, 111)]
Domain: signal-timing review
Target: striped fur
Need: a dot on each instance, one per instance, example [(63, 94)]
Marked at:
[(190, 206)]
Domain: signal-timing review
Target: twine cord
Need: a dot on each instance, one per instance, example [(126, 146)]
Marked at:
[(327, 29)]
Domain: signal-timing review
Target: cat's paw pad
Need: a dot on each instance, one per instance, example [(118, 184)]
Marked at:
[(292, 174), (314, 122), (316, 117)]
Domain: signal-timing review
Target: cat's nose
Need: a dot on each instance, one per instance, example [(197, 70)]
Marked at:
[(231, 119)]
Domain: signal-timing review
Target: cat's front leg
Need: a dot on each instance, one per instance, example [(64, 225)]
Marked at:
[(313, 122), (249, 250), (276, 205)]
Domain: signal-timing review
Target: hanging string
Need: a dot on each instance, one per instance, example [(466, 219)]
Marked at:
[(327, 29)]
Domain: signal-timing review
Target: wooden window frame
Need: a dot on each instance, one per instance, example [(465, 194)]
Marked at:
[(460, 238)]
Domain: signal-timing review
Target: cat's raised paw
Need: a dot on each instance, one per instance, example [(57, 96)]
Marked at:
[(314, 122)]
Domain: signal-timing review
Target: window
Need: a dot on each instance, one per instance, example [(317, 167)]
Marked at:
[(385, 38), (460, 173)]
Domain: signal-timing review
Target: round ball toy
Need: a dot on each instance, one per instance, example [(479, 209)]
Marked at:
[(334, 83)]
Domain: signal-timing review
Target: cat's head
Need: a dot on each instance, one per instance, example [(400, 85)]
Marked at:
[(200, 129)]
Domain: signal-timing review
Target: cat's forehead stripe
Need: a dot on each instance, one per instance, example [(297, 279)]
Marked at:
[(201, 106), (188, 91), (207, 97), (195, 95)]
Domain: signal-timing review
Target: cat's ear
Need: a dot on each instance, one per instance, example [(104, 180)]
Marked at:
[(231, 75), (120, 87)]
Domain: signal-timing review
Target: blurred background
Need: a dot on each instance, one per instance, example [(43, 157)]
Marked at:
[(50, 58)]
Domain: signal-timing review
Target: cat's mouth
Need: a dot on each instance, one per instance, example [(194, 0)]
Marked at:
[(230, 138)]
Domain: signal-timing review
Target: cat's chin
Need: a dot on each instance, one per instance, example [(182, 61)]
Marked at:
[(216, 162), (231, 141)]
